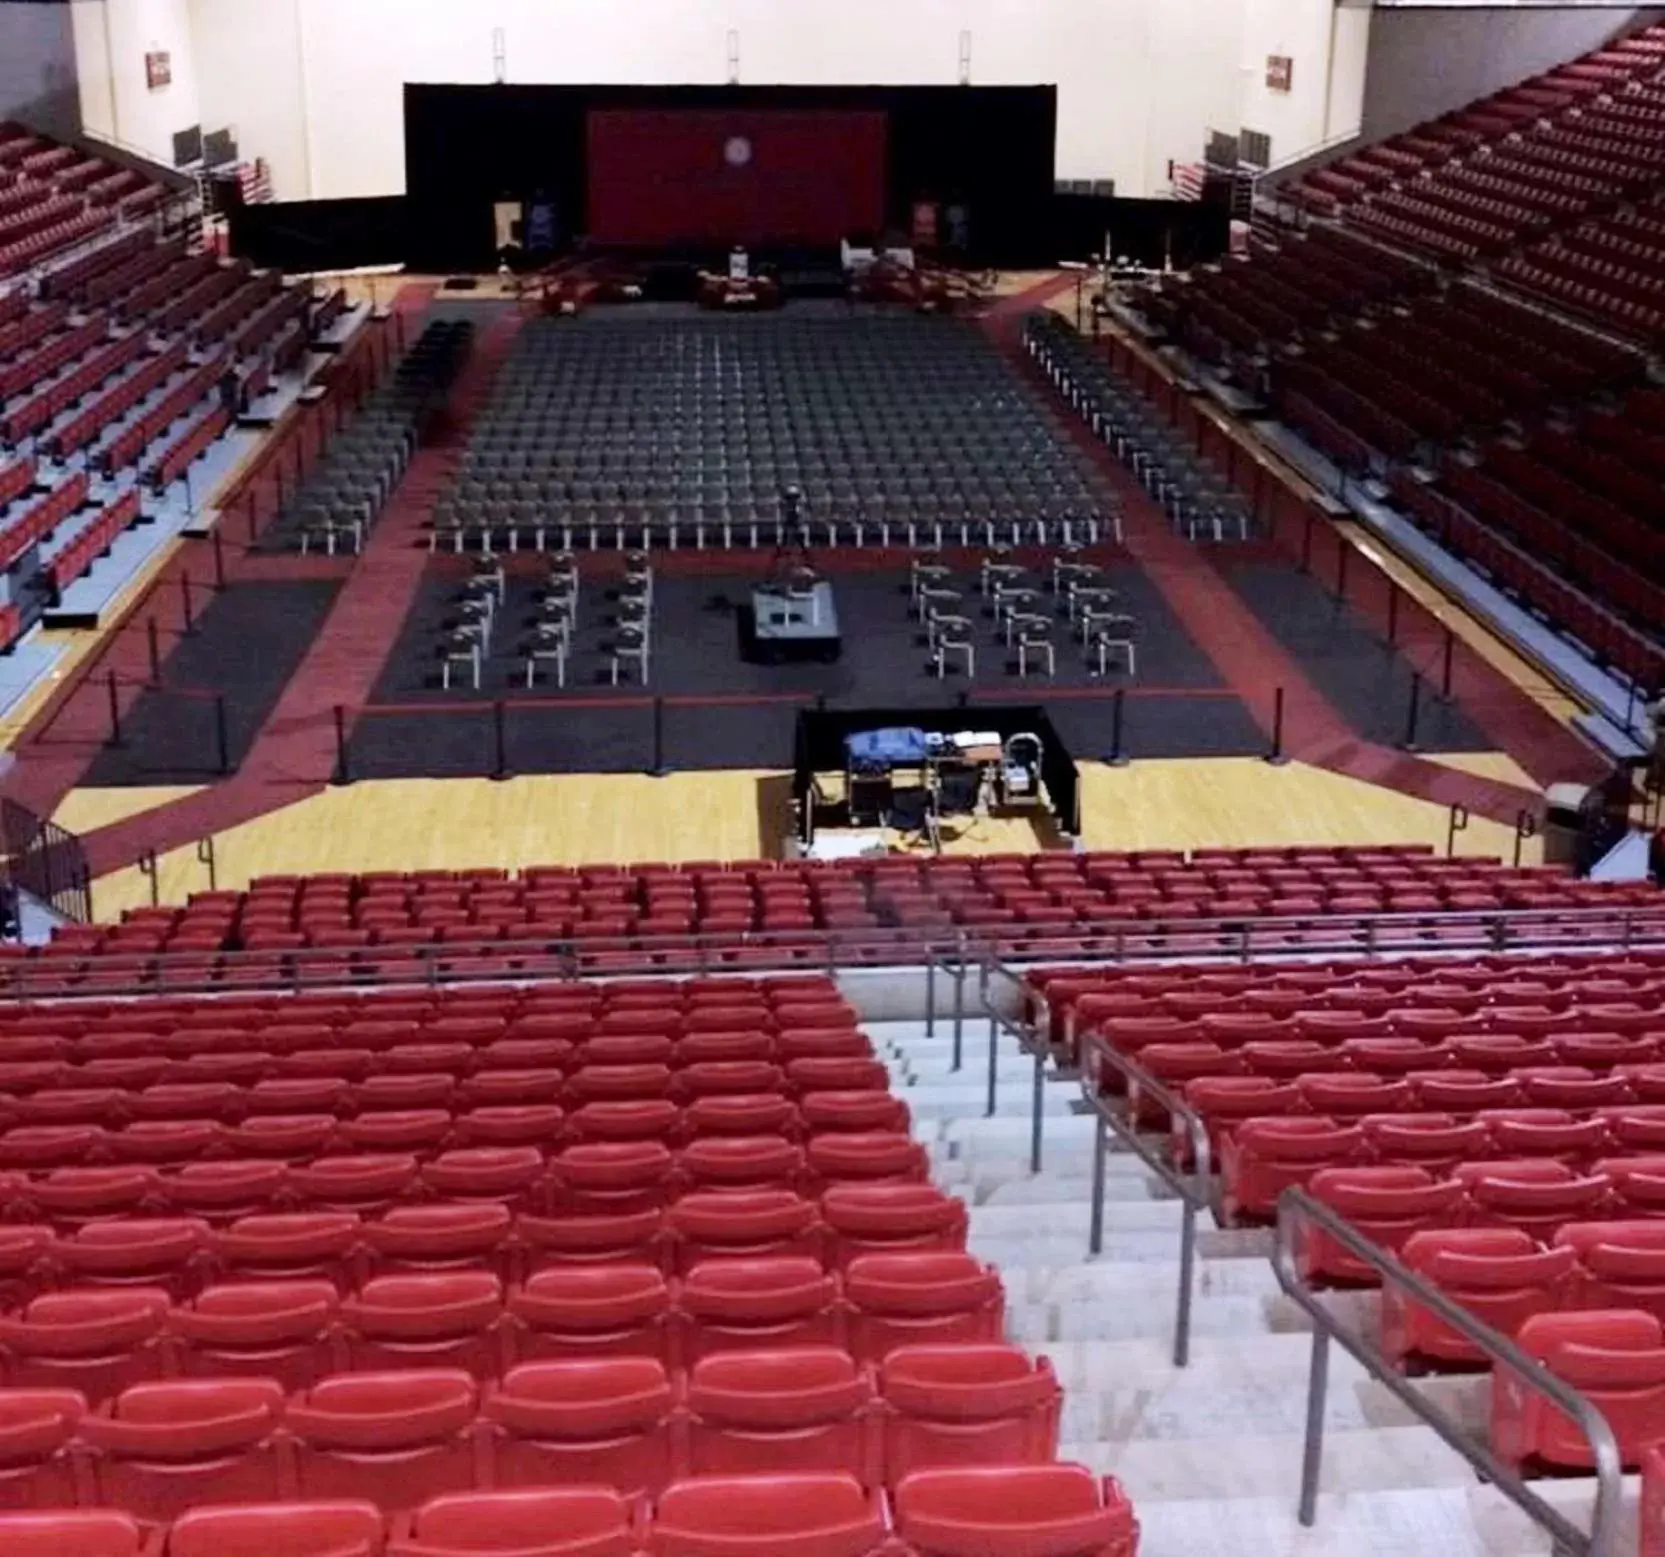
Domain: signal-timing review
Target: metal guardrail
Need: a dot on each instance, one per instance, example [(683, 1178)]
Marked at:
[(1039, 1052), (1194, 1190), (953, 968), (1298, 1211)]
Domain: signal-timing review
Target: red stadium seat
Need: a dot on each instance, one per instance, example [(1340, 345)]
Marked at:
[(95, 1340), (1015, 1511), (746, 1304), (785, 1409), (890, 1218), (308, 1529), (162, 1448), (1615, 1358), (1388, 1205), (590, 1310), (966, 1405), (307, 1243), (36, 1428), (282, 1329), (395, 1438), (604, 1420), (568, 1521), (1620, 1264), (431, 1319), (747, 1222), (909, 1299), (88, 1532), (443, 1235), (760, 1516)]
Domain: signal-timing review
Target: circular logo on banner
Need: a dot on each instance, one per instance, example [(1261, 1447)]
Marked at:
[(737, 151)]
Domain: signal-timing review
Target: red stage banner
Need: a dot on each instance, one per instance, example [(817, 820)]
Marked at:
[(746, 177)]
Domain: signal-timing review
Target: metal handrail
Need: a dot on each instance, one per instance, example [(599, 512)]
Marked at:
[(1297, 1209), (955, 970), (1028, 1042), (1194, 1190), (1131, 941)]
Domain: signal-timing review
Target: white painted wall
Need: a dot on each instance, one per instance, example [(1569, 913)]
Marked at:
[(315, 86), (112, 38)]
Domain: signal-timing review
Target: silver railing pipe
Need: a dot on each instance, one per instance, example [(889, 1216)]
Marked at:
[(1299, 1214)]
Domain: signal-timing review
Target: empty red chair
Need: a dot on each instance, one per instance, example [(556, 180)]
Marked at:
[(588, 1310), (1498, 1273), (303, 1243), (511, 1174), (24, 1248), (742, 1113), (745, 1223), (570, 1521), (366, 1183), (443, 1235), (809, 1514), (222, 1191), (606, 1420), (510, 1124), (909, 1299), (1015, 1511), (1387, 1204), (63, 1532), (309, 1529), (789, 1408), (97, 1340), (1434, 1141), (36, 1428), (859, 1111), (1621, 1264), (1266, 1156), (890, 1218), (163, 1447), (966, 1405), (627, 1119), (1615, 1358), (282, 1329), (1531, 1193), (747, 1304), (1345, 1095), (67, 1195), (869, 1157), (395, 1438), (293, 1137), (434, 1319), (588, 1237), (1543, 1132), (611, 1177)]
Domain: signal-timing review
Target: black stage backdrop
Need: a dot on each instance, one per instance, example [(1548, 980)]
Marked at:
[(986, 149), (309, 235)]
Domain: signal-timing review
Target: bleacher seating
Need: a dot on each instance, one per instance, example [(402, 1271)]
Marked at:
[(734, 1317)]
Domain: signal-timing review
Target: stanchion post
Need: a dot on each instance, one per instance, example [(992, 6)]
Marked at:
[(1118, 715), (657, 769), (500, 739), (1393, 614), (115, 710), (222, 735), (1457, 823), (190, 621), (1413, 710), (342, 774), (153, 648), (1306, 544), (219, 559), (1341, 551), (1447, 650), (1275, 753)]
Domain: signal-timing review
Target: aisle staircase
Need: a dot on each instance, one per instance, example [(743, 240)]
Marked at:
[(1211, 1454)]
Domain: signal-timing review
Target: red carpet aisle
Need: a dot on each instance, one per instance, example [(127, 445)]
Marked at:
[(294, 754)]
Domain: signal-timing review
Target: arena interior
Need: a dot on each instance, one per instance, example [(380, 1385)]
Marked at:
[(881, 781)]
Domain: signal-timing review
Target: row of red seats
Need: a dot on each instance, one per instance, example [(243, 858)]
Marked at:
[(224, 319), (344, 1249), (49, 357), (126, 446), (195, 301), (42, 517), (92, 419), (1005, 1511), (182, 398), (190, 445), (38, 215), (20, 253), (269, 319), (74, 559), (109, 284), (150, 294), (16, 478), (1542, 584), (32, 326), (102, 1338), (630, 1423)]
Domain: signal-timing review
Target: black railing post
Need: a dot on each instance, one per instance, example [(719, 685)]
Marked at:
[(1413, 709), (657, 769), (1275, 753), (114, 738), (185, 604), (1457, 823), (205, 855), (219, 558), (1306, 544), (500, 740), (1118, 714), (1393, 614), (222, 735), (1447, 650), (342, 774), (1341, 551), (153, 646)]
